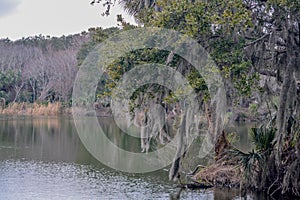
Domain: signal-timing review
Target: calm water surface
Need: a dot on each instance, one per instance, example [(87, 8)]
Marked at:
[(43, 158)]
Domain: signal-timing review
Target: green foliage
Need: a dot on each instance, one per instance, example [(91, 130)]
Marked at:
[(123, 64), (263, 138), (249, 161), (97, 35), (196, 19), (229, 56), (7, 81), (196, 81), (209, 22), (186, 17), (212, 24), (231, 15)]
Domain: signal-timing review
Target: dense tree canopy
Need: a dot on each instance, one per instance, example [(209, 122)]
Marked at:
[(255, 44)]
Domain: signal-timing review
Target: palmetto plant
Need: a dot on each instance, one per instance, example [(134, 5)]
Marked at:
[(135, 6), (247, 160), (131, 6), (263, 140)]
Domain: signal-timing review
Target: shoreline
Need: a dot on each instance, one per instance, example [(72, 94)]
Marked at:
[(47, 109), (242, 115)]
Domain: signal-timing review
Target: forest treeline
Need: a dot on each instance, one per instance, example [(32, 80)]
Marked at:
[(39, 68), (42, 69)]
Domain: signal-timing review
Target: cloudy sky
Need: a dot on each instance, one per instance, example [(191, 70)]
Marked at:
[(22, 18)]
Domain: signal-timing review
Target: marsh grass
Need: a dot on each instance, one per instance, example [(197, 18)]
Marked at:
[(48, 109)]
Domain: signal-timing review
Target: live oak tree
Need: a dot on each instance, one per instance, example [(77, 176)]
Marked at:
[(248, 40)]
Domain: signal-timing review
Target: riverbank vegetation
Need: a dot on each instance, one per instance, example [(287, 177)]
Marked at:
[(36, 109)]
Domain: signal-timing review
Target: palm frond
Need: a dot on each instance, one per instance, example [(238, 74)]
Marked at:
[(247, 160), (263, 138), (133, 7)]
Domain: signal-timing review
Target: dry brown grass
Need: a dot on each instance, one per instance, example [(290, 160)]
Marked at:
[(220, 175), (50, 109)]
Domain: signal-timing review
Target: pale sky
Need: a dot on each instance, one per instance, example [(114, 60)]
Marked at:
[(23, 18)]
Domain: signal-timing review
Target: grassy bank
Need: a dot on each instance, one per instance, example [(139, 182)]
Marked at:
[(49, 109)]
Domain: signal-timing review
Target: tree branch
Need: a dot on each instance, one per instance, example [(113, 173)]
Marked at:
[(257, 40), (267, 73)]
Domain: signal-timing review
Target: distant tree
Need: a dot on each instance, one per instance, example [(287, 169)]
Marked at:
[(44, 68)]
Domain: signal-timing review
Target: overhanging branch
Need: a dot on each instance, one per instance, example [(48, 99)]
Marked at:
[(257, 40)]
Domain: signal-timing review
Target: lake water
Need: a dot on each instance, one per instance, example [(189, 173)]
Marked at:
[(44, 158)]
